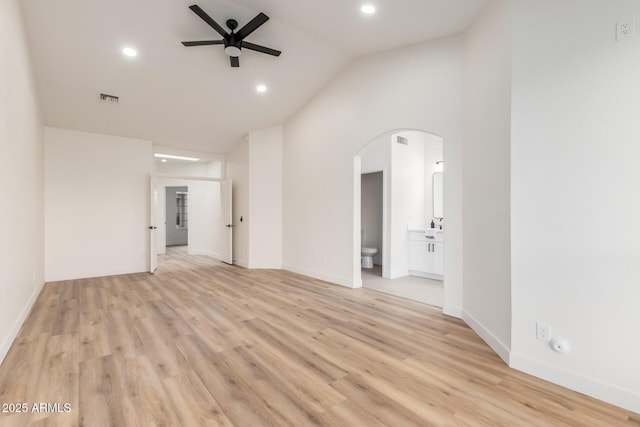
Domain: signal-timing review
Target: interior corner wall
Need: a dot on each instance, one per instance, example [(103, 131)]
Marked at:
[(417, 87), (486, 177), (574, 196), (96, 204), (265, 198), (21, 178), (237, 169)]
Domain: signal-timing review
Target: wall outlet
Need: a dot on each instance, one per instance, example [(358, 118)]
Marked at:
[(626, 28), (543, 331)]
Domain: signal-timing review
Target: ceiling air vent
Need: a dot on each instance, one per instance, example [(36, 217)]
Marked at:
[(402, 140), (109, 99)]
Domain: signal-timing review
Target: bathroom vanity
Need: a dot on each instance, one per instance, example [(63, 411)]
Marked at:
[(426, 254)]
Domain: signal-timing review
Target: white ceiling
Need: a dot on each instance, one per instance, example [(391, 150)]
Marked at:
[(190, 97)]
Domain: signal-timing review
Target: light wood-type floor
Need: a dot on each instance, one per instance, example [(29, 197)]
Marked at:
[(204, 344)]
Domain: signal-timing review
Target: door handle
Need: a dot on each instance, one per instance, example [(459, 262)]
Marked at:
[(151, 227), (229, 225)]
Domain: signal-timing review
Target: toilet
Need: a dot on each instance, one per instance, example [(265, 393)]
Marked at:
[(367, 256)]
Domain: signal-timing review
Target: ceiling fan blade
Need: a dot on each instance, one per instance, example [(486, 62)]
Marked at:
[(252, 25), (209, 20), (235, 61), (203, 43), (261, 49)]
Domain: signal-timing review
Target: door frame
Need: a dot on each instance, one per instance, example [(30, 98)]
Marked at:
[(154, 179)]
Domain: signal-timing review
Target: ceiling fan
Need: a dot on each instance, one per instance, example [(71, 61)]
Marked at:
[(234, 41)]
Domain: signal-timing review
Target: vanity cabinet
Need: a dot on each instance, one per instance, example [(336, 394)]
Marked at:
[(426, 255)]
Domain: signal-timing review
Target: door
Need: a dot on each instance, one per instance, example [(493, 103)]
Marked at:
[(226, 222), (153, 226)]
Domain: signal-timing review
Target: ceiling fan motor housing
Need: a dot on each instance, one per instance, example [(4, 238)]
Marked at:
[(232, 45)]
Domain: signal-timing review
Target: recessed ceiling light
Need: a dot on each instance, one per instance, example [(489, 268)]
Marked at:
[(171, 156), (368, 9), (129, 52), (164, 160), (261, 88)]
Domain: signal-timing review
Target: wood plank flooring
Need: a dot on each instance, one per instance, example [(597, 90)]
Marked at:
[(205, 344)]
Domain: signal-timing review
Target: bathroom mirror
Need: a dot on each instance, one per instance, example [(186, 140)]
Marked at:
[(437, 192)]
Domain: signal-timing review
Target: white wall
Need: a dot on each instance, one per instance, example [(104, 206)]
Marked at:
[(423, 84), (96, 204), (237, 169), (377, 154), (574, 195), (183, 168), (371, 206), (486, 177), (21, 179), (204, 218), (414, 186), (404, 169), (265, 198)]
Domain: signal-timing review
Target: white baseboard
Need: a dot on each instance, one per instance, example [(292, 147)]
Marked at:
[(398, 273), (265, 266), (619, 396), (13, 333), (487, 336), (205, 253), (452, 310), (432, 276), (349, 283), (241, 262)]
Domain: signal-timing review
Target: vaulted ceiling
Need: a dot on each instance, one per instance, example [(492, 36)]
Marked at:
[(191, 98)]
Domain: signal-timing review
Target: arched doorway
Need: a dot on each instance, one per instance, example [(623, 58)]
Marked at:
[(396, 250)]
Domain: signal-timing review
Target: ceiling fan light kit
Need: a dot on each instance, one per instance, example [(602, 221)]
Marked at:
[(233, 41)]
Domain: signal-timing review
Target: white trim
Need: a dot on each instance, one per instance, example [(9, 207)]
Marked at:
[(265, 267), (398, 274), (241, 263), (452, 310), (13, 333), (487, 336), (193, 178), (349, 283), (205, 253), (619, 396), (83, 275), (426, 275)]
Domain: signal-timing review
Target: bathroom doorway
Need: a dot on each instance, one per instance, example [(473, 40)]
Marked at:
[(372, 220), (398, 252)]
